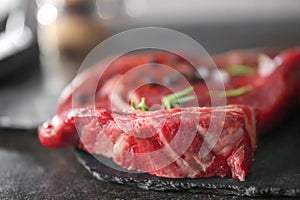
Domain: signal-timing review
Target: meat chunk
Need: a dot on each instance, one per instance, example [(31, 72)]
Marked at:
[(194, 141), (273, 96), (177, 143)]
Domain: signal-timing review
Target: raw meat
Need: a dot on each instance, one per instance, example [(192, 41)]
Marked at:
[(95, 113), (176, 143)]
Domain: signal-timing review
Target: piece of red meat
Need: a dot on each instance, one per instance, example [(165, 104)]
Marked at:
[(273, 96), (164, 143), (269, 98)]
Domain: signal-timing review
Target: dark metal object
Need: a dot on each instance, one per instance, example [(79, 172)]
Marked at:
[(276, 171), (16, 40)]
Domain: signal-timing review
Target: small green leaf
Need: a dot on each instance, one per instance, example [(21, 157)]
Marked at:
[(141, 106), (240, 70), (133, 105), (168, 102), (185, 99), (174, 100), (231, 93)]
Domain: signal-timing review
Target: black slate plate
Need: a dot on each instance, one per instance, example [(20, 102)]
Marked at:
[(276, 170)]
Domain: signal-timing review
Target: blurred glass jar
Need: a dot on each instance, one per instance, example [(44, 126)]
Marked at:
[(67, 31), (69, 27)]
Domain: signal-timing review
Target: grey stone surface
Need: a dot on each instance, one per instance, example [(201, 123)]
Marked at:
[(276, 170), (31, 171)]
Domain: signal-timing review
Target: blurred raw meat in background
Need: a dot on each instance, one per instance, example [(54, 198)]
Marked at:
[(66, 30)]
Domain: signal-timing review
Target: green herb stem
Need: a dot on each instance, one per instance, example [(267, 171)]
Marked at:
[(141, 106), (233, 92), (174, 100), (168, 102), (240, 70)]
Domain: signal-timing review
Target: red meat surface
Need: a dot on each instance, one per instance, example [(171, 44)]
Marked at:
[(164, 143), (273, 96), (95, 114)]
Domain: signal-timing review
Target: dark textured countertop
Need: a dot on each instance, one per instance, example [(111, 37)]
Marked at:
[(31, 171)]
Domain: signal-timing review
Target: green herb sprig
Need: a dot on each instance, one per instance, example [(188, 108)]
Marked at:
[(240, 70), (141, 106), (233, 92), (168, 102), (174, 100)]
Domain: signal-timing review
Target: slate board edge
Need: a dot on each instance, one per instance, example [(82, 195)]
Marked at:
[(164, 184)]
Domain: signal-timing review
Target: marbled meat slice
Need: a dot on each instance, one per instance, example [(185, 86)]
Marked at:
[(176, 143), (89, 118)]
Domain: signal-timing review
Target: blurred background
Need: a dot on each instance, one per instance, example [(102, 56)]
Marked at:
[(42, 42)]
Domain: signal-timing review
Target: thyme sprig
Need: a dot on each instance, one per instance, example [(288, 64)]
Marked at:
[(233, 92), (171, 101), (240, 70), (141, 106), (176, 99)]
